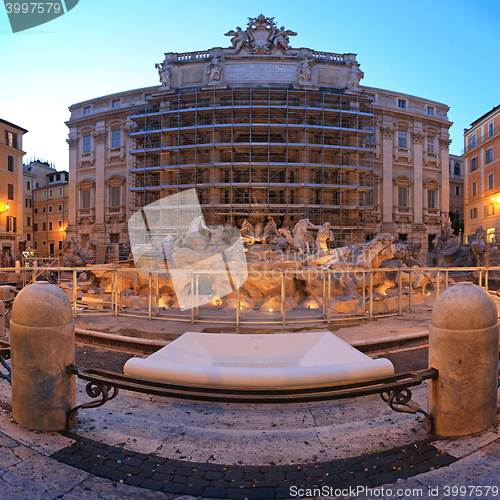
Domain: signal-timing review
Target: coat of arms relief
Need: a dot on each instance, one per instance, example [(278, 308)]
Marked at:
[(261, 36)]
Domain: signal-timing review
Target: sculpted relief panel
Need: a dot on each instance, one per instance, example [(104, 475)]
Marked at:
[(260, 72)]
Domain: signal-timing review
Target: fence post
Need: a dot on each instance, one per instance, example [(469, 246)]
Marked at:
[(480, 277), (363, 293), (42, 336), (150, 295), (329, 298), (370, 305), (238, 299), (400, 292), (192, 298), (324, 295), (486, 279), (282, 298), (438, 283), (463, 347), (74, 293), (410, 289)]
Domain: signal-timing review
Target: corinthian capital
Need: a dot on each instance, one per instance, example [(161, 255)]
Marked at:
[(387, 131), (418, 138), (444, 142)]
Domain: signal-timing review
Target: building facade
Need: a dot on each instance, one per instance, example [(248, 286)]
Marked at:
[(262, 130), (482, 175), (457, 186), (50, 214), (11, 192)]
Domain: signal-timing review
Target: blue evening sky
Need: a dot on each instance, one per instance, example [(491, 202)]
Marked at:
[(443, 50)]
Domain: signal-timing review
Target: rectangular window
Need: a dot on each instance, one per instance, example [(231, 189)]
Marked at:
[(28, 221), (456, 169), (59, 207), (489, 155), (116, 103), (28, 237), (85, 198), (87, 110), (60, 191), (490, 181), (11, 225), (116, 138), (457, 190), (28, 185), (36, 245), (473, 164), (28, 202), (36, 210), (60, 224), (45, 194), (60, 245), (430, 111), (401, 103), (473, 142), (50, 225), (431, 198), (35, 226), (50, 193), (10, 191), (10, 163), (474, 188), (44, 243), (402, 138), (490, 129), (370, 138), (50, 208), (114, 196), (35, 196), (44, 226), (44, 209), (86, 143), (11, 139), (402, 196), (430, 144)]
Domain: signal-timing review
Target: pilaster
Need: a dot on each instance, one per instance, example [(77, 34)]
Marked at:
[(387, 147)]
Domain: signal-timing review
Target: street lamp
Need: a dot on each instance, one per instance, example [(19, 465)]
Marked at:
[(6, 209)]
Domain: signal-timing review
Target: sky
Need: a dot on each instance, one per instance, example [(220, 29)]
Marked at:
[(443, 50)]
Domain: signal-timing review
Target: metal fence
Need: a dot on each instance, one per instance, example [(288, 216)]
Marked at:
[(402, 296)]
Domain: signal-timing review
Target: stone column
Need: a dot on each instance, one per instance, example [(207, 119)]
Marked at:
[(99, 229), (387, 181), (463, 347), (72, 229), (418, 139), (42, 338), (445, 173)]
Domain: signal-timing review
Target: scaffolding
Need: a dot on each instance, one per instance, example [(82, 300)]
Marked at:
[(280, 152)]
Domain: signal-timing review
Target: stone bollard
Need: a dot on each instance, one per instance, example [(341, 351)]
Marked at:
[(463, 347), (18, 267), (42, 338)]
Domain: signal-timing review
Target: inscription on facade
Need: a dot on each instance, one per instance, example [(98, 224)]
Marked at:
[(329, 77), (260, 72), (192, 76)]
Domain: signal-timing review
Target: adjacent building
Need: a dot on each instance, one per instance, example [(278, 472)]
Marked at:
[(482, 175), (262, 129), (50, 214), (457, 186), (11, 192)]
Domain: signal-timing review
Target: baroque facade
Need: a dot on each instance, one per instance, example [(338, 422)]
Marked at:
[(482, 175), (262, 129), (11, 192)]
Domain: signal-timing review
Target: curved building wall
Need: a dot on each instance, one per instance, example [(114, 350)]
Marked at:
[(262, 129)]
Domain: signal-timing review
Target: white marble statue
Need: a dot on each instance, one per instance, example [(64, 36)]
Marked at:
[(299, 235), (324, 234), (164, 72), (193, 238), (216, 237), (214, 69), (247, 233), (304, 70), (355, 76), (281, 40), (239, 39)]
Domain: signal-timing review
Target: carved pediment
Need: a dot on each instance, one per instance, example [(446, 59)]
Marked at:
[(115, 179), (402, 179), (432, 184), (85, 183)]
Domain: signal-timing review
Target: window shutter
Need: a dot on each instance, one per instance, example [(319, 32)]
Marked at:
[(14, 219), (6, 137), (14, 141)]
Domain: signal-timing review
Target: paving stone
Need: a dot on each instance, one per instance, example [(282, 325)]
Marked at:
[(442, 460), (134, 480), (115, 475), (133, 461), (235, 476), (214, 492), (214, 475), (265, 493), (128, 469), (146, 473), (237, 494), (383, 478), (152, 484), (100, 470), (196, 491), (254, 476)]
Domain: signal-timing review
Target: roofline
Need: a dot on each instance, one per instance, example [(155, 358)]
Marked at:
[(5, 122), (484, 116)]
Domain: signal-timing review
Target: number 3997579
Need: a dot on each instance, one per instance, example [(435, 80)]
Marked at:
[(33, 8)]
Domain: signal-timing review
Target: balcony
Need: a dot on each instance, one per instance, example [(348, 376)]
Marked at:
[(432, 216), (86, 215), (402, 214), (117, 213), (404, 153), (87, 159), (115, 153), (431, 159)]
